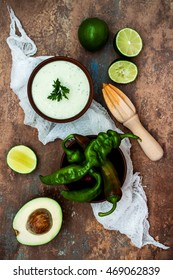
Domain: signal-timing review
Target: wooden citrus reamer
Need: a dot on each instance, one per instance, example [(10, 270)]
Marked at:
[(125, 112)]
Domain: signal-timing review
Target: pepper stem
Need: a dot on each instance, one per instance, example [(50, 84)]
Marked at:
[(64, 142), (129, 135), (114, 205)]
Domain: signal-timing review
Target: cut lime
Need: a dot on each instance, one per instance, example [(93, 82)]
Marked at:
[(123, 71), (21, 159), (128, 42)]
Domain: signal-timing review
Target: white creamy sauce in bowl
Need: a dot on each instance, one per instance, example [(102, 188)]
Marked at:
[(71, 76)]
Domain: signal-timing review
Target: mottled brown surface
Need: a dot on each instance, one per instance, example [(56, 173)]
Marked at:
[(53, 26)]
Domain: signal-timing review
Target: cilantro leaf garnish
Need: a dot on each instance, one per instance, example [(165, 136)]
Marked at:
[(59, 91)]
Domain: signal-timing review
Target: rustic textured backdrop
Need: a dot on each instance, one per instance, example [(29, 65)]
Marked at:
[(53, 27)]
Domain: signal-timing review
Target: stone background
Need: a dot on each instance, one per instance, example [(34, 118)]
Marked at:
[(53, 27)]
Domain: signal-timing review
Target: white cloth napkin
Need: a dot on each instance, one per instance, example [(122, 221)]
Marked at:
[(131, 215)]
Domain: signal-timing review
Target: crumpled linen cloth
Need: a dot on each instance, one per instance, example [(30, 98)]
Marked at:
[(131, 215)]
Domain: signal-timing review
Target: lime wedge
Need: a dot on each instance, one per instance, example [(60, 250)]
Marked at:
[(128, 42), (123, 71), (21, 159)]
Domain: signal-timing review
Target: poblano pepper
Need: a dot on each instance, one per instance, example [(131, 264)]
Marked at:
[(67, 174), (112, 186), (95, 156), (86, 194)]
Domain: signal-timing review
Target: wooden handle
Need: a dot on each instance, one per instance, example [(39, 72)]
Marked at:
[(149, 145)]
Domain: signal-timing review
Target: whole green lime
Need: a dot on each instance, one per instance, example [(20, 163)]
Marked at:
[(93, 34)]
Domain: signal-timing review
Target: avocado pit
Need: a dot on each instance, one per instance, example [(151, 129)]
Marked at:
[(39, 221)]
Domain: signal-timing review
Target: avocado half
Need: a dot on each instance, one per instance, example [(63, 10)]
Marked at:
[(38, 221)]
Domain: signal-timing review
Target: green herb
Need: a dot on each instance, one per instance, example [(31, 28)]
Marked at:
[(58, 91)]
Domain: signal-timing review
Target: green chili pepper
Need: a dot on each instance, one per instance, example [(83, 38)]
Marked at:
[(72, 155), (86, 194), (112, 186), (95, 156), (99, 148), (117, 137), (66, 175)]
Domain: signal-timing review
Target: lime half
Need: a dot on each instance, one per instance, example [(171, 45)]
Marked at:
[(123, 71), (128, 42), (21, 159)]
